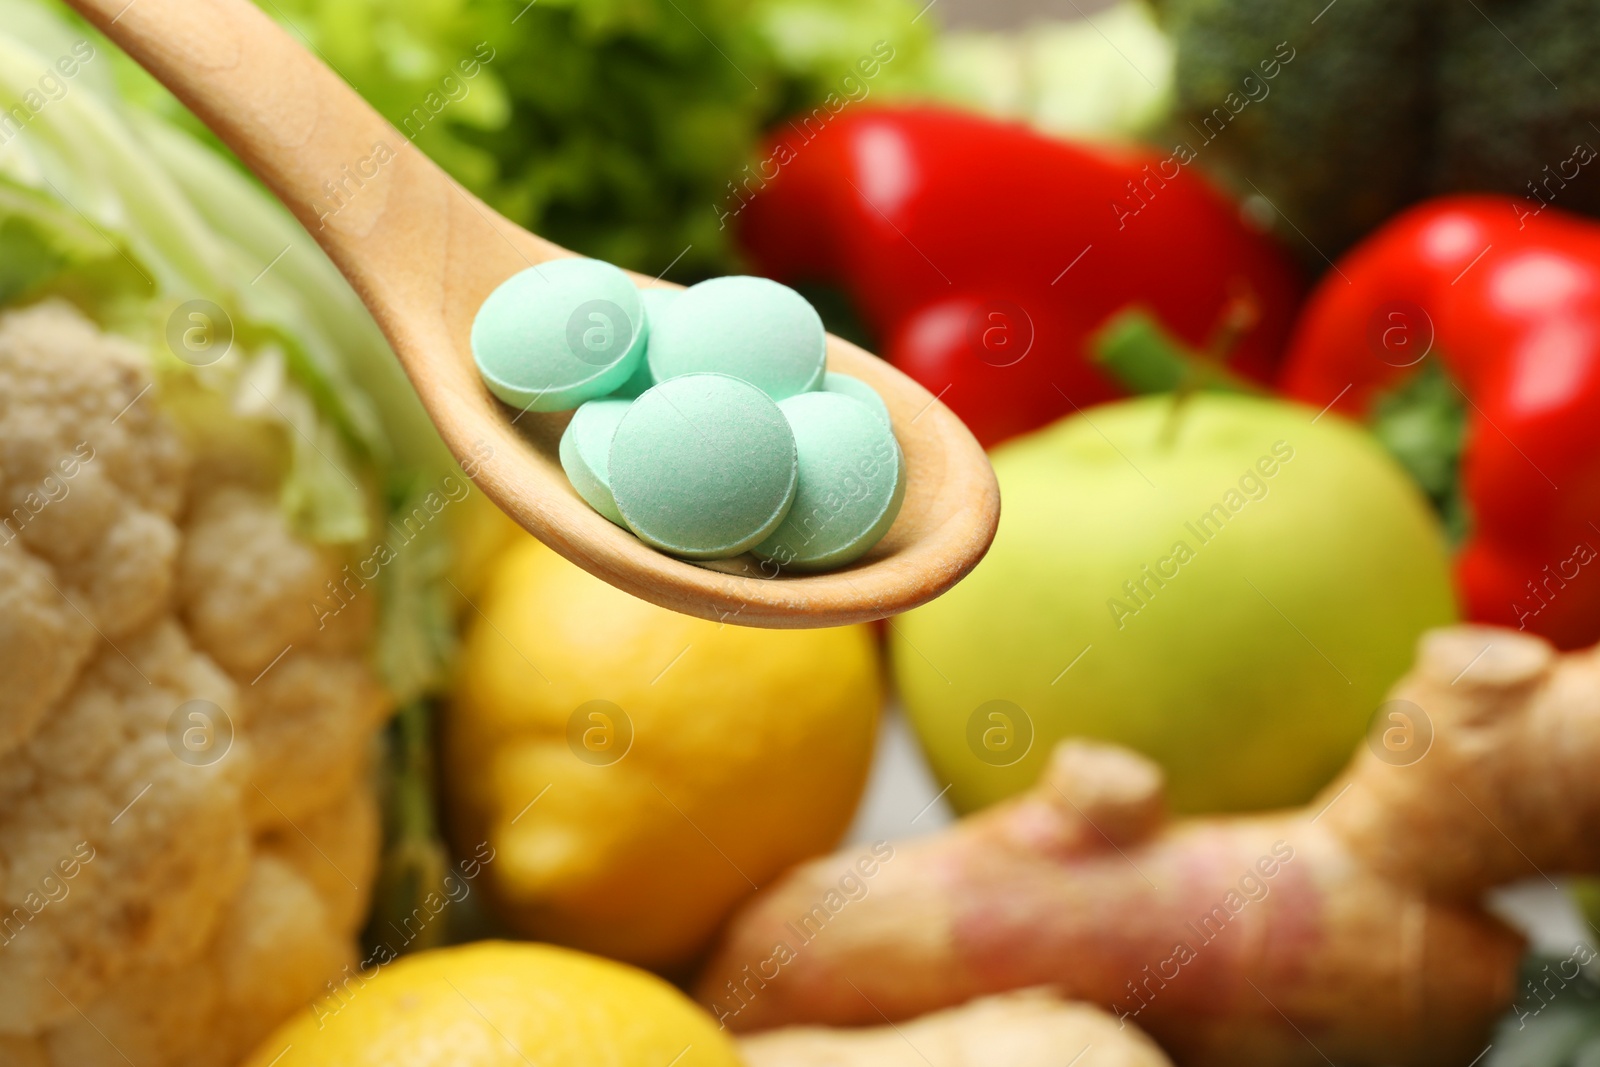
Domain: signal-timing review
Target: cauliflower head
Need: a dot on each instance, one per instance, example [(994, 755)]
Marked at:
[(187, 838)]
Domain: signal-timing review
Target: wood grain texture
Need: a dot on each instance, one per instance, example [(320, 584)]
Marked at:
[(423, 253)]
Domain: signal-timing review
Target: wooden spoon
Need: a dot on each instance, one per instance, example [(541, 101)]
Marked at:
[(423, 253)]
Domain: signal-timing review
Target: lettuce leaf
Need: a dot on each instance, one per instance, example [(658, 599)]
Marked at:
[(613, 127)]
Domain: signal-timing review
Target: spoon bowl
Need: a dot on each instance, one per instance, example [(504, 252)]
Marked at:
[(423, 253)]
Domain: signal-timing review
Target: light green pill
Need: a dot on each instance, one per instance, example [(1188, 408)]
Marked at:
[(556, 335), (586, 453), (656, 302), (750, 328), (703, 466), (856, 389), (852, 482)]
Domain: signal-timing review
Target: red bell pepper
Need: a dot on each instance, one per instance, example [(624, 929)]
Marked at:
[(983, 255), (1505, 302)]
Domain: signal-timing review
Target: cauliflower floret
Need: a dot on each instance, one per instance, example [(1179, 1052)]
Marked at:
[(282, 939), (43, 642), (335, 849), (90, 479), (162, 899), (331, 698), (83, 448), (248, 588), (255, 598), (162, 843), (127, 573)]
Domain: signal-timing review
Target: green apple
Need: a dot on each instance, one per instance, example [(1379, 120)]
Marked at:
[(1228, 586)]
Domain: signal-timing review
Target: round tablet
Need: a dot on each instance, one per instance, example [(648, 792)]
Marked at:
[(852, 481), (751, 328), (552, 336), (856, 389), (703, 466), (586, 453), (655, 304)]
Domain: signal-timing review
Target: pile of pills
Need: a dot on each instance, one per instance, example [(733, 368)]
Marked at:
[(706, 421)]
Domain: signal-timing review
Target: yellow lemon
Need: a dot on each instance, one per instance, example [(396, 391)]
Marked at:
[(498, 1004), (637, 772)]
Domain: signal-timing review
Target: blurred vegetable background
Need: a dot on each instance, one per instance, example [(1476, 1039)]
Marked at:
[(1037, 218)]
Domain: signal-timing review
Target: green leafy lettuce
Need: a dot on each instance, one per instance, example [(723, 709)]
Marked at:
[(613, 127)]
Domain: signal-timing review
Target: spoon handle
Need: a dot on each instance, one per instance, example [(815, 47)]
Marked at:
[(356, 183), (423, 254)]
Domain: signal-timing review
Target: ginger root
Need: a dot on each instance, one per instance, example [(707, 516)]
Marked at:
[(1031, 1028), (1349, 931)]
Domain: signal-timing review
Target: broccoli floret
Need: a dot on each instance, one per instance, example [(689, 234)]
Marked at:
[(1503, 124), (1337, 140), (1387, 102)]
